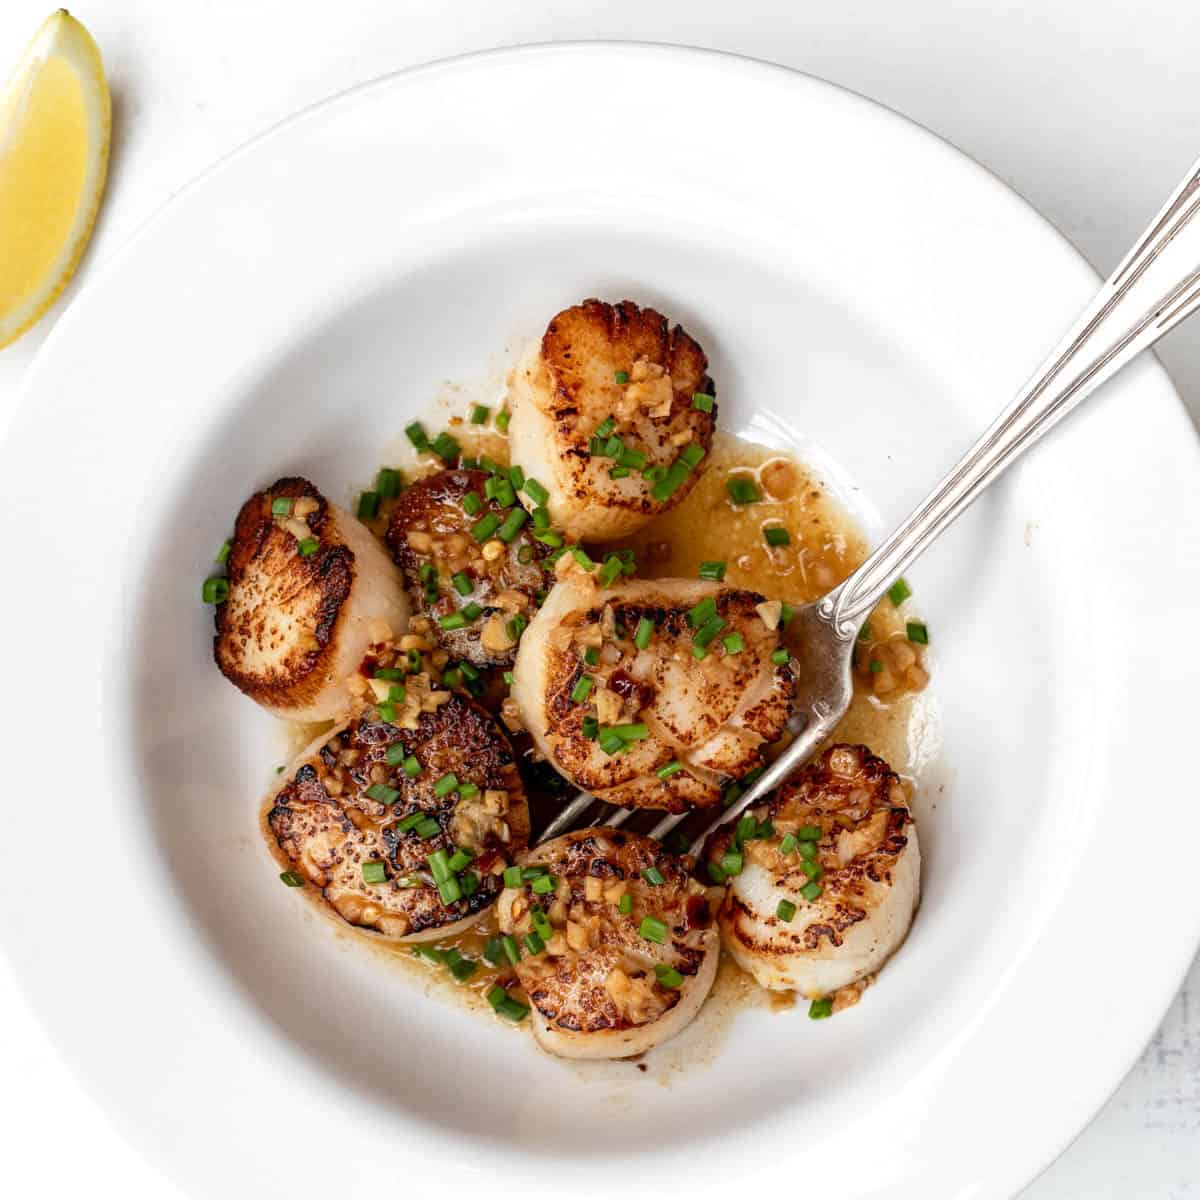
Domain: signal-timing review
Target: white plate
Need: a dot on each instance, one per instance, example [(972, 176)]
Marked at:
[(848, 273)]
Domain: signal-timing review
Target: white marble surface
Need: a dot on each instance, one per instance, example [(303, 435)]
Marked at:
[(1090, 111)]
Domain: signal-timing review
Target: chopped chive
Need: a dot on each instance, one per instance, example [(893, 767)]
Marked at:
[(654, 474), (374, 872), (583, 685), (471, 611), (788, 845), (613, 447), (446, 447), (396, 754), (785, 615), (591, 656), (446, 784), (463, 968), (637, 732), (590, 728), (691, 455), (505, 496), (643, 633), (509, 678), (383, 793), (414, 661), (462, 583), (502, 419), (512, 877), (609, 571), (533, 942), (412, 768), (875, 666), (223, 553), (669, 769), (667, 976), (535, 491), (702, 402), (808, 849), (611, 744), (551, 539), (708, 631), (505, 1005), (620, 377), (580, 555), (541, 519), (511, 950), (468, 671), (808, 832), (606, 427), (653, 876), (653, 930), (427, 828), (699, 652), (742, 490), (281, 506), (733, 643), (524, 555), (670, 483), (715, 873), (472, 503), (215, 590), (459, 859), (417, 435), (485, 527), (812, 868), (494, 951), (543, 885), (410, 822), (625, 904), (515, 626), (388, 483), (430, 954), (731, 862), (439, 865), (818, 1010), (918, 633), (490, 487), (713, 571), (480, 414), (634, 460), (786, 910), (368, 506), (899, 592), (512, 524), (811, 890), (392, 674), (308, 547), (780, 657), (536, 872), (449, 891), (864, 634), (516, 477), (454, 620), (776, 535), (619, 473), (291, 879), (702, 612)]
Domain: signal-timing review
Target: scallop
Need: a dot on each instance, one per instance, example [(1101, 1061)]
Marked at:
[(406, 827), (612, 412), (470, 573), (309, 590), (618, 949), (652, 694), (824, 879)]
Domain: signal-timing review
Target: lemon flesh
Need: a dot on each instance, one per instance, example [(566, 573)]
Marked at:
[(54, 136)]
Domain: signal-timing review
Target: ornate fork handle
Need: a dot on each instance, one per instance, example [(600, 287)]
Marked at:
[(1115, 327)]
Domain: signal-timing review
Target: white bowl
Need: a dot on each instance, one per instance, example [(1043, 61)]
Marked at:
[(851, 277)]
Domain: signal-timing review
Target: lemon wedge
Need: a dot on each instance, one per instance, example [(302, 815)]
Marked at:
[(55, 122)]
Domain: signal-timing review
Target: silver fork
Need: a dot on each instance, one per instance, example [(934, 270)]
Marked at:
[(1114, 328)]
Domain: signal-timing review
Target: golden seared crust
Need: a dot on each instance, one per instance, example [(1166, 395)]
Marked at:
[(625, 366), (597, 973), (429, 527), (858, 803), (328, 826), (276, 629), (713, 715)]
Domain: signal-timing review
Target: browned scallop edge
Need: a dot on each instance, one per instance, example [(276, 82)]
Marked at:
[(330, 570), (642, 332), (459, 736), (817, 786)]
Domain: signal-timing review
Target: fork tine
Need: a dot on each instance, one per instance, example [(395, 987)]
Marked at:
[(619, 818), (567, 817), (665, 826)]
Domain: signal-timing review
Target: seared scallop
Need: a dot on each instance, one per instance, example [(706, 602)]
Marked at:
[(616, 943), (612, 412), (406, 825), (470, 560), (823, 879), (309, 590), (653, 694)]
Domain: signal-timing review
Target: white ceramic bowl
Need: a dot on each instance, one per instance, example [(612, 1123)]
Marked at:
[(851, 277)]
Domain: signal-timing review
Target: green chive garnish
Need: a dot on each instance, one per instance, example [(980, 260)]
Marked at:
[(583, 685), (281, 506), (308, 547), (368, 506), (535, 491), (410, 822), (543, 885), (454, 620), (625, 904), (667, 976), (512, 877), (875, 666), (653, 930), (388, 483), (412, 768), (708, 631), (512, 524), (427, 828), (732, 862), (704, 611), (776, 535), (472, 503), (669, 769), (374, 872), (811, 890), (459, 859), (511, 950), (590, 728), (291, 879), (383, 793), (505, 1005), (462, 583), (733, 643), (494, 951), (485, 527), (480, 414), (780, 657), (786, 910), (899, 591), (714, 571), (818, 1010), (215, 590), (637, 732), (643, 633), (446, 784), (417, 435), (702, 402), (446, 447), (620, 377), (223, 553), (742, 490), (918, 633), (502, 419), (653, 876)]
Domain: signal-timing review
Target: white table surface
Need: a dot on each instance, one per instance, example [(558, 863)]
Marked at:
[(1091, 111)]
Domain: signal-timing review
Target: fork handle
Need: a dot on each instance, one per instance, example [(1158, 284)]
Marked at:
[(1123, 320)]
